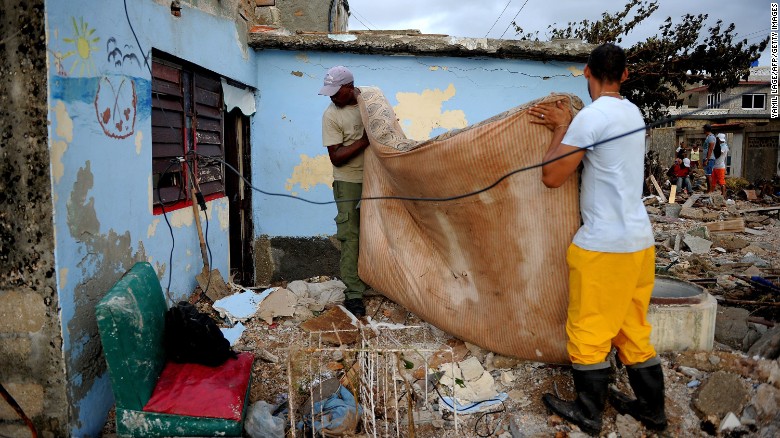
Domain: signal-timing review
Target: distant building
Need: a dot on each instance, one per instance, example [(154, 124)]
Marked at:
[(743, 113)]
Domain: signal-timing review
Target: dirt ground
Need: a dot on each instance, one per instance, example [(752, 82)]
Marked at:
[(284, 345)]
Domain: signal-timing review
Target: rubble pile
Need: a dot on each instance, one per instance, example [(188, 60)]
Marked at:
[(731, 248)]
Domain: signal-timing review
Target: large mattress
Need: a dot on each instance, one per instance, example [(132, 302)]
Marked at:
[(489, 269)]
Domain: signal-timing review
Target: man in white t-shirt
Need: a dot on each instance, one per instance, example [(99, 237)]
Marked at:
[(612, 256), (719, 170), (344, 136)]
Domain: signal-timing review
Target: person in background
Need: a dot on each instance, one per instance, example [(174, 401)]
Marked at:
[(682, 171), (612, 256), (709, 160), (719, 168), (681, 150), (346, 139), (695, 156)]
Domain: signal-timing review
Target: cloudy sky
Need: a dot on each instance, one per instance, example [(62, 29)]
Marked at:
[(492, 18)]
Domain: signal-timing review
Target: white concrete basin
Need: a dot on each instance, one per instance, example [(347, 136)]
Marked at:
[(683, 316)]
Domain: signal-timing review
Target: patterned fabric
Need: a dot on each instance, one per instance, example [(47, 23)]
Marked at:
[(489, 268)]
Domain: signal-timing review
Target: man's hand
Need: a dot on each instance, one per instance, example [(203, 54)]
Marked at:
[(552, 115)]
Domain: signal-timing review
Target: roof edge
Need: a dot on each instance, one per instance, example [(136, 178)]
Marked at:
[(416, 44)]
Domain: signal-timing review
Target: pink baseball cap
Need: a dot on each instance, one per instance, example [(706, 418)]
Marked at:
[(334, 79)]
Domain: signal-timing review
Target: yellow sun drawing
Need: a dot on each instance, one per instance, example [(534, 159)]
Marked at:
[(84, 48)]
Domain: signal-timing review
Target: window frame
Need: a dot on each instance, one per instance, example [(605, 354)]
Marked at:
[(187, 99), (713, 100), (753, 100)]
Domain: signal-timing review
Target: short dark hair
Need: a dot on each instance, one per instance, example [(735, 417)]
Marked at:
[(708, 127), (607, 62)]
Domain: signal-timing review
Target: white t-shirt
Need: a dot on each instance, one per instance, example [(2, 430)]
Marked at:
[(720, 162), (613, 215), (344, 126)]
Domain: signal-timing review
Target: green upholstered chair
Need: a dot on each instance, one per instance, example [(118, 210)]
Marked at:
[(131, 322)]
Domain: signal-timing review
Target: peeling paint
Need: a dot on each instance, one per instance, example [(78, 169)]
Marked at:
[(152, 230), (297, 73), (105, 258), (181, 218), (188, 268), (433, 68), (310, 172), (421, 113), (188, 252), (64, 122), (64, 130), (575, 71), (302, 57), (58, 149), (139, 138), (223, 215), (63, 278)]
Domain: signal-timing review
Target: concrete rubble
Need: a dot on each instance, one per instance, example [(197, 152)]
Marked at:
[(729, 247)]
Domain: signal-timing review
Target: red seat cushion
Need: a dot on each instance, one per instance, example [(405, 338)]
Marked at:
[(199, 391)]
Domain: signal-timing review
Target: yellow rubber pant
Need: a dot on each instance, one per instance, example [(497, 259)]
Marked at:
[(608, 298)]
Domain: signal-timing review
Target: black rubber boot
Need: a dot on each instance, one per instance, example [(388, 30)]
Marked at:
[(648, 407), (585, 411)]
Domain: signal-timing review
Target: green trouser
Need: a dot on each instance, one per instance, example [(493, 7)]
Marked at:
[(348, 232)]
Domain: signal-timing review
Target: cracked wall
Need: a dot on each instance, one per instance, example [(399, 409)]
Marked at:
[(430, 95)]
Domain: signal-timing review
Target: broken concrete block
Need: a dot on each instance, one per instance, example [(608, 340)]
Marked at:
[(717, 200), (766, 401), (697, 245), (729, 241), (504, 362), (731, 325), (483, 388), (710, 217), (471, 369), (691, 213), (755, 260), (753, 271), (720, 394), (702, 232), (653, 210)]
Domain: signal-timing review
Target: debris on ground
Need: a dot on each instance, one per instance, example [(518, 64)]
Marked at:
[(730, 247)]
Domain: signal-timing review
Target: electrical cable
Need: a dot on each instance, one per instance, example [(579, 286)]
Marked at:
[(498, 18), (484, 189), (513, 19)]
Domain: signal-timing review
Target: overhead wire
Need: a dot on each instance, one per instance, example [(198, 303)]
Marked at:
[(513, 19), (498, 18), (658, 122)]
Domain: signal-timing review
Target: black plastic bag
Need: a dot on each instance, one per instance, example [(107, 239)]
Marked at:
[(193, 337)]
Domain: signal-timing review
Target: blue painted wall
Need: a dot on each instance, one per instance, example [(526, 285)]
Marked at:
[(288, 122), (100, 142)]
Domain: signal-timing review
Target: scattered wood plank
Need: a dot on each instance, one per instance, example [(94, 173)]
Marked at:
[(672, 194), (691, 200), (751, 194), (748, 302), (753, 210), (733, 225), (658, 188)]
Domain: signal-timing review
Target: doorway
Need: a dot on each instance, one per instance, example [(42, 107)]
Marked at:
[(238, 155)]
